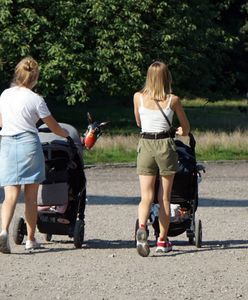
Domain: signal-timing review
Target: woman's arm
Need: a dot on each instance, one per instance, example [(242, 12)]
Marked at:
[(54, 126), (183, 120), (1, 120), (136, 108)]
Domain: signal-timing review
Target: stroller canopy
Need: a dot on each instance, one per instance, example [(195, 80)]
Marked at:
[(46, 136)]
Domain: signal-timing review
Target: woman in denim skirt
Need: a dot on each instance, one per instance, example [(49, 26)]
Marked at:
[(156, 150), (21, 155)]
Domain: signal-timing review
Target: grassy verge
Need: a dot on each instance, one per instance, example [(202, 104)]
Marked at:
[(220, 128)]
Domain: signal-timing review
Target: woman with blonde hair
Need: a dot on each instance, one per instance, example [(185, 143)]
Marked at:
[(157, 150), (21, 155)]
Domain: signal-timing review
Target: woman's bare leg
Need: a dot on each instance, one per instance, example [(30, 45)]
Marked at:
[(164, 202), (8, 208), (147, 194), (30, 193), (147, 184)]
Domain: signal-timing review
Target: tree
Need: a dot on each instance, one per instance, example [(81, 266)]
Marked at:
[(231, 17), (56, 34), (105, 46)]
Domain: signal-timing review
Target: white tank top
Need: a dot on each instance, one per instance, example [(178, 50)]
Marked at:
[(152, 120)]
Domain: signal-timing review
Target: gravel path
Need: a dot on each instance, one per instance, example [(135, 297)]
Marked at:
[(108, 266)]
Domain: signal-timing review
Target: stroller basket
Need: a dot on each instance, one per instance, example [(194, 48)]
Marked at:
[(53, 194), (58, 161)]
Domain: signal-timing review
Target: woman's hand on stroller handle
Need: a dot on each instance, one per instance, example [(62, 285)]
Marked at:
[(71, 142)]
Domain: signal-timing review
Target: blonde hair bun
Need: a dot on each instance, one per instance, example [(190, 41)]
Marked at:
[(26, 73), (28, 65)]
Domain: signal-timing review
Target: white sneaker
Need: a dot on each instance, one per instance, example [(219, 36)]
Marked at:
[(142, 244), (32, 245), (4, 244)]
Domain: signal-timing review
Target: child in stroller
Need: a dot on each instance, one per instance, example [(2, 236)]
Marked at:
[(184, 197), (62, 196)]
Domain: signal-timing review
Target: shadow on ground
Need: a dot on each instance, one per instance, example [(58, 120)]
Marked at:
[(117, 200), (205, 202), (179, 246)]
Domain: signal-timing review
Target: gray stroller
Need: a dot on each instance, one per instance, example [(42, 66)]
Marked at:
[(62, 196)]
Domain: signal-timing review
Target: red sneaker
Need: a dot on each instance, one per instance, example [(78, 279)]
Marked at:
[(163, 246)]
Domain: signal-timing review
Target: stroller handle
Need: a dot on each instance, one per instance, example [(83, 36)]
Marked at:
[(44, 129), (192, 141)]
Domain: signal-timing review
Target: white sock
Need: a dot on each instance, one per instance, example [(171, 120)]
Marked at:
[(4, 232)]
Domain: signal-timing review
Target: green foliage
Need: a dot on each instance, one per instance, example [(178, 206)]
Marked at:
[(232, 19), (91, 47)]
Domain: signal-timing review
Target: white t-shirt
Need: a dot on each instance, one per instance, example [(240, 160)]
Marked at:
[(21, 109)]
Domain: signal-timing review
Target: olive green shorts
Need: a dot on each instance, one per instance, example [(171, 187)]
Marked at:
[(157, 155)]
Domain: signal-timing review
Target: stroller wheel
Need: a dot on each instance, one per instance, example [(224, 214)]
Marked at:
[(191, 241), (190, 235), (198, 234), (19, 230), (79, 233), (48, 237)]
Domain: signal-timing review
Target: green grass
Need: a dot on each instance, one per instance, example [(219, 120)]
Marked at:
[(222, 154), (96, 156), (216, 116)]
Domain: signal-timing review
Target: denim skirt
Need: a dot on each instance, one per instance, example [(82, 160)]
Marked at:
[(21, 160)]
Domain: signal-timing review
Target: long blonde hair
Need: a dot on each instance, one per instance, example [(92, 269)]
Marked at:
[(26, 73), (158, 81)]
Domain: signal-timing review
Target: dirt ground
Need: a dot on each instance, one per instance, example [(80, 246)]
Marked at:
[(108, 266)]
